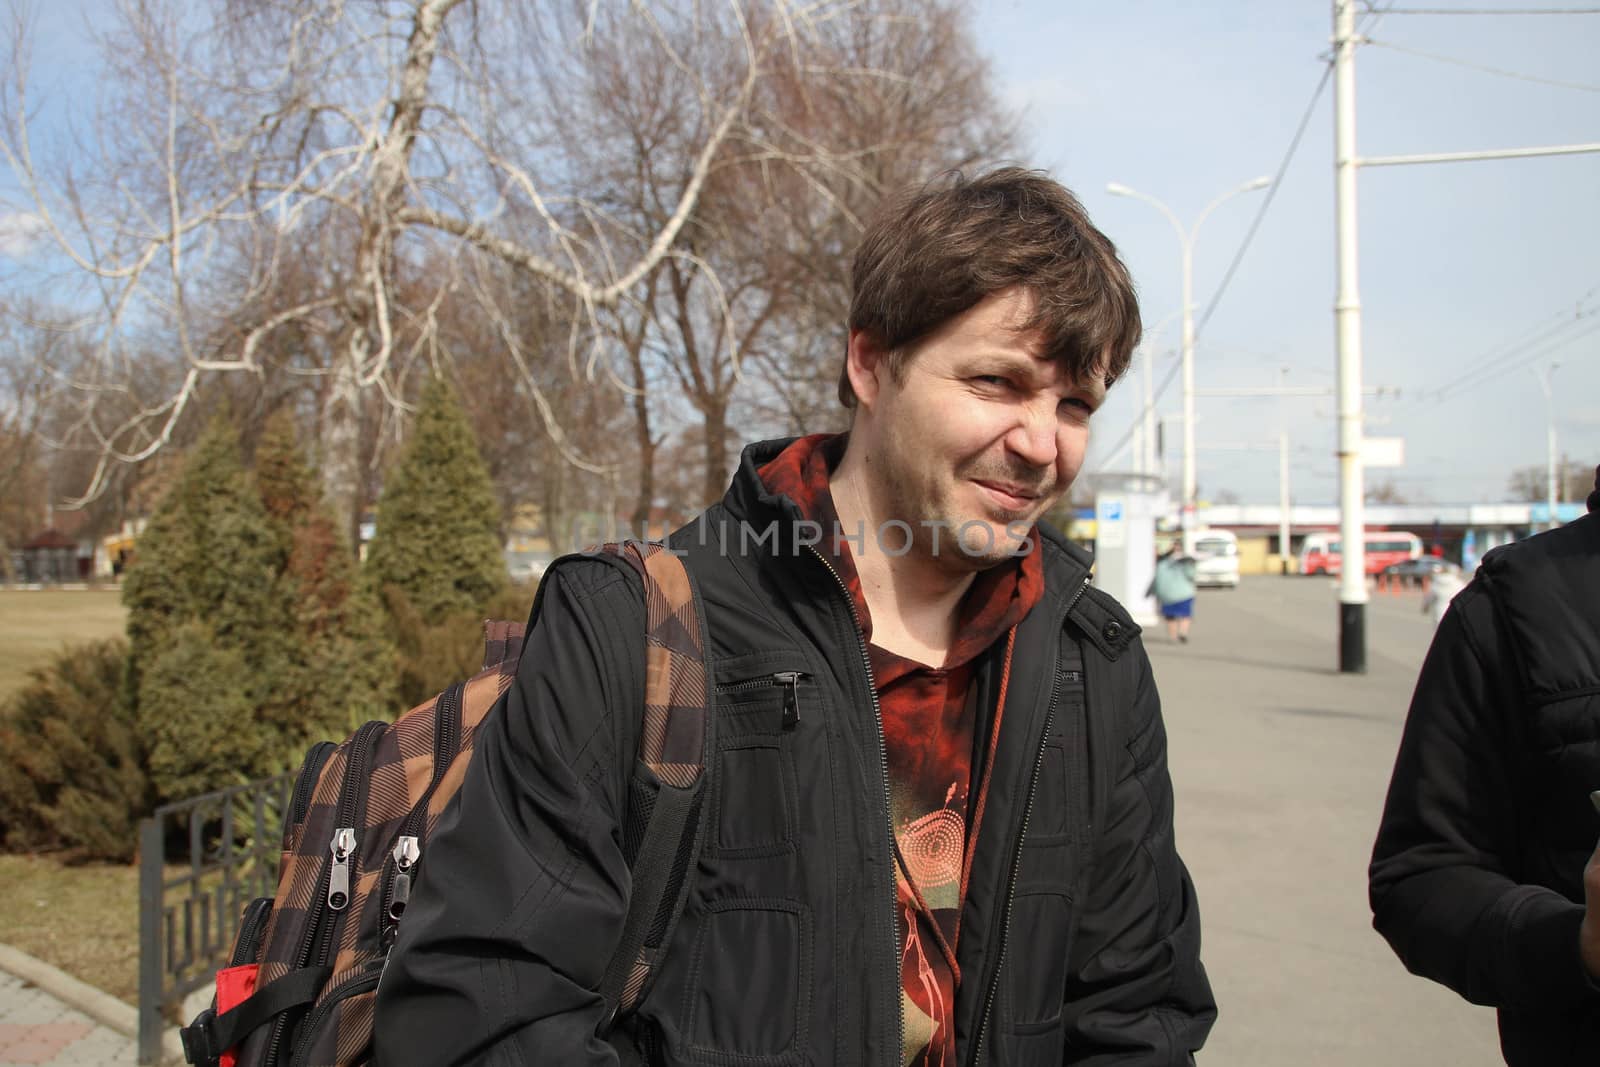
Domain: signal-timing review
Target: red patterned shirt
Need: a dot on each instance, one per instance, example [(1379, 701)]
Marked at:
[(929, 716)]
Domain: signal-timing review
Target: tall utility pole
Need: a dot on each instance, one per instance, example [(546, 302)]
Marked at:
[(1283, 477), (1283, 501), (1152, 461), (1347, 322), (1347, 319)]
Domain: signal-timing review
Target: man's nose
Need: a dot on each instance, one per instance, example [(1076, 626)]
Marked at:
[(1033, 440)]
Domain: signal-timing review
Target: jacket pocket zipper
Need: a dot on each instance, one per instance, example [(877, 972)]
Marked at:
[(789, 681)]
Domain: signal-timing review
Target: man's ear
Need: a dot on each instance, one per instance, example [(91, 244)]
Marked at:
[(865, 364)]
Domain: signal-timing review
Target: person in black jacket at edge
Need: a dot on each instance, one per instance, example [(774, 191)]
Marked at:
[(1486, 875), (929, 840)]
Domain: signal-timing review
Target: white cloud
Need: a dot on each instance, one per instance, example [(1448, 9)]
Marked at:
[(20, 231)]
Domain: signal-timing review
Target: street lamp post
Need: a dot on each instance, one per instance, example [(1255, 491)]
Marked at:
[(1186, 240), (1550, 444)]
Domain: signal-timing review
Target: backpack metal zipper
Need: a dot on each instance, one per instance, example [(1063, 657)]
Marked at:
[(1016, 855), (407, 850), (319, 932), (888, 805), (343, 843)]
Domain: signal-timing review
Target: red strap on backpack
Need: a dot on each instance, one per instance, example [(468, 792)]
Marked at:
[(234, 987)]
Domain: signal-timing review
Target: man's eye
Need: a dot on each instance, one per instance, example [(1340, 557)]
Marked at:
[(1078, 405), (992, 379)]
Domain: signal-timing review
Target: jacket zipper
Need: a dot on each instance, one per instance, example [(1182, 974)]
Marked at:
[(352, 796), (789, 680), (401, 865), (888, 806), (1016, 853)]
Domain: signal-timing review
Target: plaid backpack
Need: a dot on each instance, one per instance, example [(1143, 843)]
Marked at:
[(303, 979)]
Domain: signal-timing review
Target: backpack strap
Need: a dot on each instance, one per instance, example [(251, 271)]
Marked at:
[(210, 1035), (674, 746), (502, 645)]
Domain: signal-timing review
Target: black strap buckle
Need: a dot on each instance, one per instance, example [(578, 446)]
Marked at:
[(199, 1047)]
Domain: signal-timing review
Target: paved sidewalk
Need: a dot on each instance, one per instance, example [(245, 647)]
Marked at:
[(1280, 766), (37, 1028)]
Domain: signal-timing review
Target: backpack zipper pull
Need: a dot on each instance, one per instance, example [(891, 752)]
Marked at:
[(791, 697), (406, 853), (343, 843)]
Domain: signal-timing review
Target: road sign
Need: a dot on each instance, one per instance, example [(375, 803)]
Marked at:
[(1383, 451)]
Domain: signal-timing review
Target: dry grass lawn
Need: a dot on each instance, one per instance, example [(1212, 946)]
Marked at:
[(82, 919), (35, 624)]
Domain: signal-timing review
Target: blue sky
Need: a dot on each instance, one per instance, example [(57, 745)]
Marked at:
[(1185, 101)]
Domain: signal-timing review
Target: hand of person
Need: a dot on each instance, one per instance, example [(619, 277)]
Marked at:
[(1589, 932)]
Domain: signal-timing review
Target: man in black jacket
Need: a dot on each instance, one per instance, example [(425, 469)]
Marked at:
[(939, 826), (1479, 877)]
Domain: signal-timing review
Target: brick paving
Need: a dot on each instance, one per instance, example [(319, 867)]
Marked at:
[(39, 1030)]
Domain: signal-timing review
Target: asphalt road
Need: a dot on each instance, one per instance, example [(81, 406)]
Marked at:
[(1280, 765)]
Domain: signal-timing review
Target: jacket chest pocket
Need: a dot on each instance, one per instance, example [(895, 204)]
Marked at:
[(1565, 742), (754, 796)]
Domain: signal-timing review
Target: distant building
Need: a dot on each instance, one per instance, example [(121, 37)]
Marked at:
[(50, 557)]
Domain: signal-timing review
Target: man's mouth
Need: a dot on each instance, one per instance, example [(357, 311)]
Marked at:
[(1012, 496)]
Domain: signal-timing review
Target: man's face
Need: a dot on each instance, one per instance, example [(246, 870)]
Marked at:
[(980, 437)]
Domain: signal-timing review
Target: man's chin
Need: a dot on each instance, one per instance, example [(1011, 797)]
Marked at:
[(981, 543)]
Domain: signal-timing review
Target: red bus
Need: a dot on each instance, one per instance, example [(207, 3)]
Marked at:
[(1321, 552)]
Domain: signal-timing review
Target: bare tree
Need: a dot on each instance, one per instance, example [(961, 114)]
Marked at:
[(1388, 492), (352, 144), (24, 355), (887, 94), (1573, 482)]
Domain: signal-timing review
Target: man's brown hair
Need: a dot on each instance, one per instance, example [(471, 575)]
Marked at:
[(934, 252)]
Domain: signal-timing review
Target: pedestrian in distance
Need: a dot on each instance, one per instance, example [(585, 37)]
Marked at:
[(1441, 588), (1174, 587), (939, 822), (1486, 875)]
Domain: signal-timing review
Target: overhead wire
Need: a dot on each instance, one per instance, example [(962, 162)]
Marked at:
[(1544, 332), (1486, 360), (1526, 360), (1488, 10), (1481, 68)]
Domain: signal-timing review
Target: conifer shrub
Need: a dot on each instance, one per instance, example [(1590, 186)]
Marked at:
[(73, 762), (435, 560), (438, 532)]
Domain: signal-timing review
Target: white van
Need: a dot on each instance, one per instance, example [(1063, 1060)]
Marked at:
[(1216, 555)]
